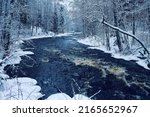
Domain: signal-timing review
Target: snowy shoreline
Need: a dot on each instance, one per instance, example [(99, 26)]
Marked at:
[(51, 35), (94, 45)]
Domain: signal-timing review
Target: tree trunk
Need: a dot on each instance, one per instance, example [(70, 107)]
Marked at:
[(6, 27), (55, 20), (133, 28), (116, 24), (84, 27), (107, 38)]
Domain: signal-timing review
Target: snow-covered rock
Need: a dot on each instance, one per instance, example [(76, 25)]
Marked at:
[(80, 97), (59, 96), (63, 96)]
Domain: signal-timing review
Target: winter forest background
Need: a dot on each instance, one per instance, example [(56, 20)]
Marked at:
[(120, 27)]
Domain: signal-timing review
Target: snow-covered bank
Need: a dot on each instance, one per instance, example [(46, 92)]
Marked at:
[(20, 89), (51, 34), (17, 88), (96, 44)]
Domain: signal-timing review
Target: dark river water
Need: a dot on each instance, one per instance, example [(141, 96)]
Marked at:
[(62, 64)]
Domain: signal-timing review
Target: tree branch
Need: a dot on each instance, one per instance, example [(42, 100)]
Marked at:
[(126, 33)]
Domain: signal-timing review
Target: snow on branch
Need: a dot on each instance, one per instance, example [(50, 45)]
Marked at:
[(126, 33)]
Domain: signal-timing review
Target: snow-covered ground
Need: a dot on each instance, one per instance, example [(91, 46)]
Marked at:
[(17, 88), (63, 96), (20, 89), (50, 34), (96, 44), (38, 33)]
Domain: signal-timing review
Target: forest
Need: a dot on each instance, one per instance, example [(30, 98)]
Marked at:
[(74, 48)]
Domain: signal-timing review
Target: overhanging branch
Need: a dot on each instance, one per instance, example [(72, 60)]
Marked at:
[(126, 33)]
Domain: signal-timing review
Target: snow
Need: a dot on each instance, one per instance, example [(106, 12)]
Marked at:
[(39, 35), (67, 4), (90, 41), (59, 96), (131, 57), (80, 97), (22, 53), (15, 58), (142, 63), (67, 34), (20, 89), (3, 76), (37, 31), (126, 57), (50, 35), (63, 96), (95, 43)]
